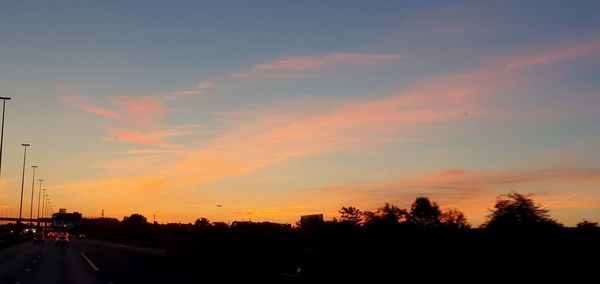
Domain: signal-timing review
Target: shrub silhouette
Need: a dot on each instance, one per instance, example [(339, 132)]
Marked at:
[(586, 225)]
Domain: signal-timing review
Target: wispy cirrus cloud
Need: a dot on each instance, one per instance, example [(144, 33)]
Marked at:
[(140, 118), (297, 67), (200, 89), (155, 137), (554, 55), (82, 103), (441, 99), (134, 111), (261, 141)]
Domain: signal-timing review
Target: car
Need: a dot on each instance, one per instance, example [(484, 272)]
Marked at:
[(82, 236), (39, 238), (61, 240)]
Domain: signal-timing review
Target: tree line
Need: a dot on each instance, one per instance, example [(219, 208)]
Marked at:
[(511, 212)]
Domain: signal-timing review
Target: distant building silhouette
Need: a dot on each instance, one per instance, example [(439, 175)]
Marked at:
[(311, 221), (63, 219)]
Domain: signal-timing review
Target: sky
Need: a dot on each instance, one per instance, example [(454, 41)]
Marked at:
[(269, 110)]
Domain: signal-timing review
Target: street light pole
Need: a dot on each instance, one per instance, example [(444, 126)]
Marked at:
[(47, 207), (44, 204), (22, 182), (32, 190), (39, 199), (4, 99)]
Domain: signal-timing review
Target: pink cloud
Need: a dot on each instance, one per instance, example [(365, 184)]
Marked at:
[(261, 142), (140, 111), (142, 115), (297, 67), (200, 89), (264, 139), (135, 137), (81, 103), (136, 111), (152, 137), (326, 61), (553, 55)]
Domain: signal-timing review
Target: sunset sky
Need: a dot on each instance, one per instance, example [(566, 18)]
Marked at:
[(276, 109)]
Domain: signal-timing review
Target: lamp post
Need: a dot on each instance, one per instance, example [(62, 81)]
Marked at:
[(4, 99), (39, 199), (44, 207), (32, 189), (22, 182), (47, 207)]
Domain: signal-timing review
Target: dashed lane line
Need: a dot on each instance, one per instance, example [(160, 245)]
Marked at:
[(89, 261)]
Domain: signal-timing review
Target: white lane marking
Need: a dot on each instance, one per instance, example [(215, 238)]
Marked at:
[(90, 262)]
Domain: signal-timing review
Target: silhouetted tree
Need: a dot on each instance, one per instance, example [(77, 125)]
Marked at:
[(424, 213), (350, 215), (454, 219), (135, 227), (387, 215), (517, 211), (202, 222)]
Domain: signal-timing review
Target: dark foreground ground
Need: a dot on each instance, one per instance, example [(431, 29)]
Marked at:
[(468, 256)]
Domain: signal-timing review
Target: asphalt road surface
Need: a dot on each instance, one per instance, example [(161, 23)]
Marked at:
[(85, 261)]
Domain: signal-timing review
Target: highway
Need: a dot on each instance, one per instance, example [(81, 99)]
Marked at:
[(85, 261)]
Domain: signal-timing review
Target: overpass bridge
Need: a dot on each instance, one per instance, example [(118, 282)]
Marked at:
[(27, 220)]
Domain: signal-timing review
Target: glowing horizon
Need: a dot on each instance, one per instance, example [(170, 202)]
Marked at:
[(171, 109)]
